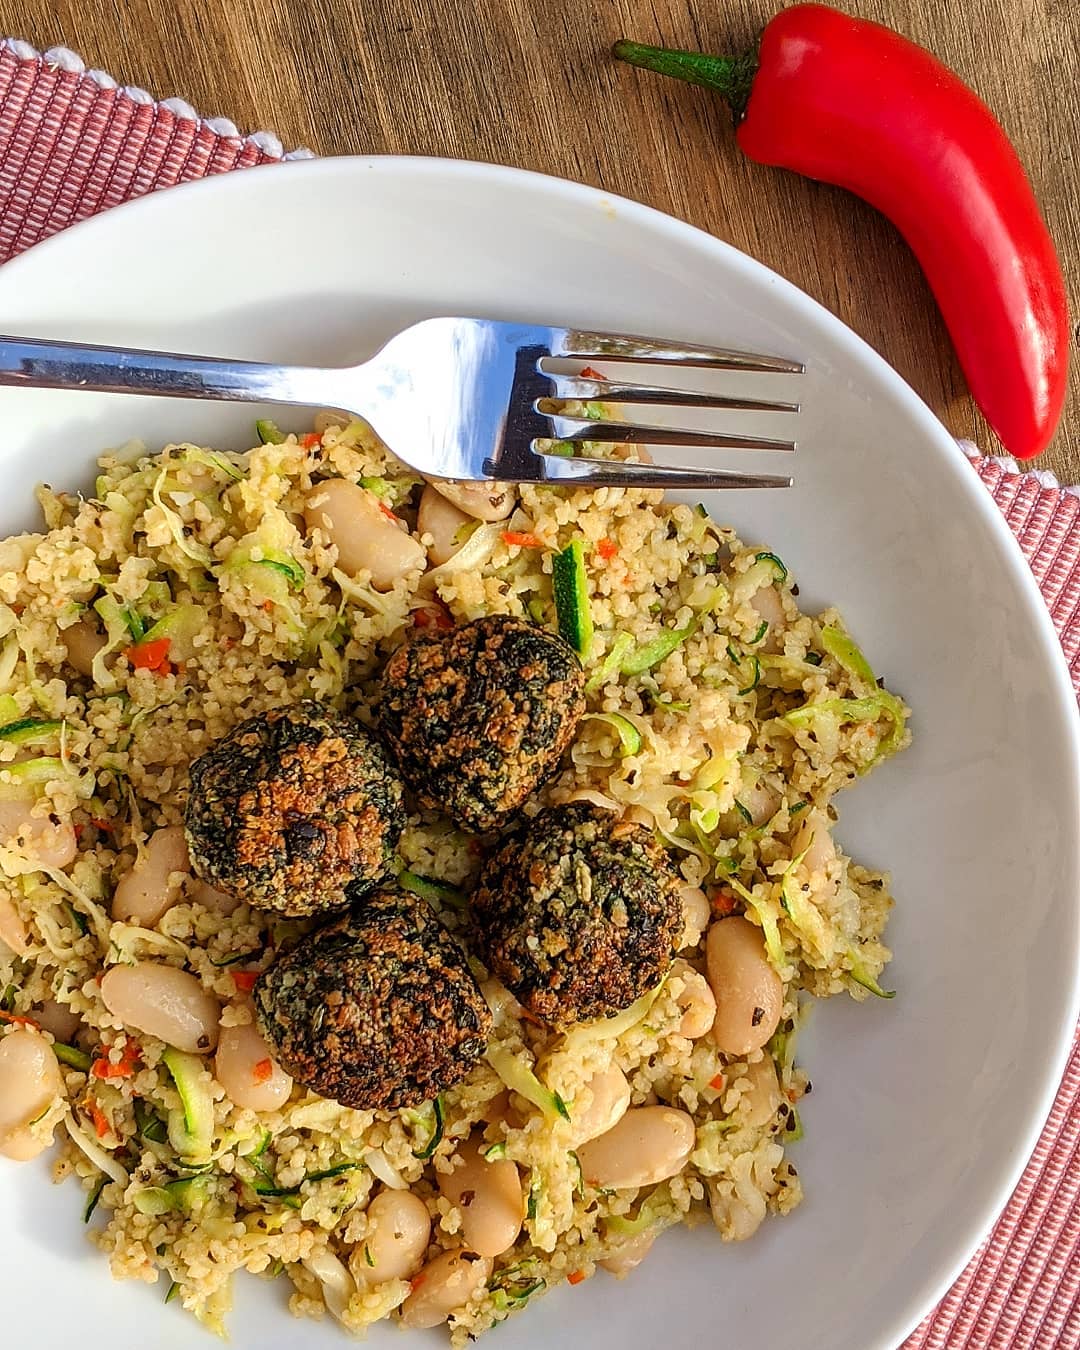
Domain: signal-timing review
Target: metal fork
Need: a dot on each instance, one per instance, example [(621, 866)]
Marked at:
[(463, 398)]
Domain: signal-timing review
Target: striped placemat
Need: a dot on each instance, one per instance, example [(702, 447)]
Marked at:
[(73, 142)]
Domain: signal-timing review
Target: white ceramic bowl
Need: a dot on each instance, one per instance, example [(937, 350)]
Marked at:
[(924, 1109)]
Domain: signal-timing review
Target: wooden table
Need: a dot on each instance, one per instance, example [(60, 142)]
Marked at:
[(530, 83)]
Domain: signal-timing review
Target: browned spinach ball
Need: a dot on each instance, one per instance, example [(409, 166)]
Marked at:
[(578, 913), (293, 807), (378, 1010), (479, 717)]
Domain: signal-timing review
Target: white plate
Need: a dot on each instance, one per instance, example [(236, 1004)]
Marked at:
[(924, 1109)]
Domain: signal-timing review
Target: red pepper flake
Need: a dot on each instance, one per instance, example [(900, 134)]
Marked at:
[(792, 1096), (417, 1281), (150, 655), (105, 826), (515, 538), (263, 1071), (267, 605), (590, 373), (607, 548), (717, 1081), (98, 1116), (576, 1277), (78, 830), (387, 512), (17, 1020), (245, 980), (311, 440)]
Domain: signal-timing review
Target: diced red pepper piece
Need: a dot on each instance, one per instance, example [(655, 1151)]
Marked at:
[(150, 655)]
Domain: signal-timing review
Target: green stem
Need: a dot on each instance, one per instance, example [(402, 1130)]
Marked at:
[(729, 76)]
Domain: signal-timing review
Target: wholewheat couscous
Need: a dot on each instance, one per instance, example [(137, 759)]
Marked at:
[(197, 589)]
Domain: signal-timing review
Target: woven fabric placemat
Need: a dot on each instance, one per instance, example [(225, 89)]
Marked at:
[(73, 142)]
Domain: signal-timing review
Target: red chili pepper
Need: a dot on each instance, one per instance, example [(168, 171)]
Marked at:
[(150, 655), (591, 373), (106, 826), (716, 1082), (16, 1020), (576, 1276), (722, 902), (245, 980), (854, 104), (311, 440), (263, 1071), (607, 548)]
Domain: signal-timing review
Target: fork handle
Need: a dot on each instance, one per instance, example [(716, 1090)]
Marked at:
[(43, 364)]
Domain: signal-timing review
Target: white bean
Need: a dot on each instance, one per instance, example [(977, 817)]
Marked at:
[(767, 603), (629, 1255), (607, 1102), (814, 836), (366, 539), (446, 523), (696, 914), (749, 994), (200, 893), (30, 1083), (761, 1100), (695, 998), (482, 501), (248, 1072), (13, 930), (162, 1001), (399, 1230), (57, 1019), (443, 1286), (649, 1144), (153, 885), (83, 642), (43, 841), (489, 1197)]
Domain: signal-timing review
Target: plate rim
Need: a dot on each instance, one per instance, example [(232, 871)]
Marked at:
[(948, 453)]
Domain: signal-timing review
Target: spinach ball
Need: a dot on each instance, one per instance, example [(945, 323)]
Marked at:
[(578, 913), (478, 717), (292, 808), (379, 1010)]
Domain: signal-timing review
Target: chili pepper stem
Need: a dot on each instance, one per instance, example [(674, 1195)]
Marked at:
[(729, 76)]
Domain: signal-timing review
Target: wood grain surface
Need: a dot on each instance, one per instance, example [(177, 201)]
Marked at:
[(530, 83)]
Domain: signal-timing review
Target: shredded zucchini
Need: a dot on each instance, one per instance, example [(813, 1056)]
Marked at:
[(519, 1078), (571, 589), (191, 1129), (630, 738), (841, 647)]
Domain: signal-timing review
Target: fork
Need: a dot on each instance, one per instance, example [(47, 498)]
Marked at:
[(466, 399)]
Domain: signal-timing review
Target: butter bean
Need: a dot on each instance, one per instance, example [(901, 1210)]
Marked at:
[(162, 1001), (443, 1286), (446, 524), (601, 1105), (30, 1082), (629, 1255), (695, 998), (399, 1230), (246, 1069), (749, 994), (83, 642), (696, 914), (489, 1197), (482, 501), (649, 1144), (143, 895), (352, 520), (46, 841)]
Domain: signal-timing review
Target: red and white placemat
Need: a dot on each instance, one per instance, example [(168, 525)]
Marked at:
[(73, 142)]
